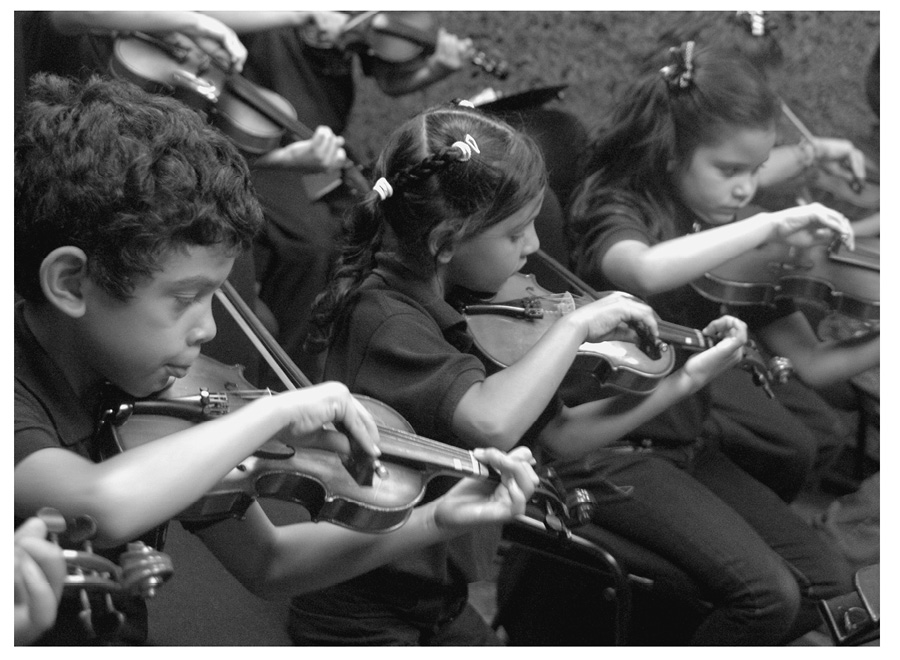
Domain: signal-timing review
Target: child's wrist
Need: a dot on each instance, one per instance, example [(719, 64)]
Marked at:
[(806, 154)]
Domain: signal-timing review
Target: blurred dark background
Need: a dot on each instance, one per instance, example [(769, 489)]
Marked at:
[(593, 53)]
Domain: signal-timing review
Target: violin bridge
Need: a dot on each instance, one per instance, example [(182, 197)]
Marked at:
[(214, 404)]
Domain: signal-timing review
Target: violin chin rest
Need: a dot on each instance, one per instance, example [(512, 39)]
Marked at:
[(275, 450)]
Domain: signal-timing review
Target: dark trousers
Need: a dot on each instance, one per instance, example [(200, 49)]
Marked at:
[(394, 615), (785, 442), (760, 565)]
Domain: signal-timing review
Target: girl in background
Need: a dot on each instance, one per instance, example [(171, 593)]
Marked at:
[(667, 182), (452, 216)]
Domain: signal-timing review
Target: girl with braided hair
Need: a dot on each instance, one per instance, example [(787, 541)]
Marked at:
[(452, 213)]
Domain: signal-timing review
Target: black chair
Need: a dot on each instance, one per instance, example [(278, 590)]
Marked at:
[(589, 587)]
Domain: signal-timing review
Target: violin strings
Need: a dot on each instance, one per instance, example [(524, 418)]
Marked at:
[(252, 394), (450, 452)]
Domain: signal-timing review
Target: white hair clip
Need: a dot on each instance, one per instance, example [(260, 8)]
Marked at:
[(383, 188), (466, 147), (464, 103)]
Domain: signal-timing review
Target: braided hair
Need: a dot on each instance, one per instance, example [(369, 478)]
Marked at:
[(447, 174)]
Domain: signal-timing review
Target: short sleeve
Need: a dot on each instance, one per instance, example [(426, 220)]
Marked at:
[(422, 367)]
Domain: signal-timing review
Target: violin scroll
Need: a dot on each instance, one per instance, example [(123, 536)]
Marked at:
[(141, 571)]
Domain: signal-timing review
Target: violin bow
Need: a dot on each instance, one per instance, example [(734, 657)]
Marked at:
[(266, 344), (856, 184)]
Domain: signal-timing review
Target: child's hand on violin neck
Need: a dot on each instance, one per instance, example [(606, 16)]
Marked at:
[(308, 409), (811, 224), (474, 502), (451, 51), (731, 336), (329, 24), (323, 152), (840, 157), (217, 40), (609, 313)]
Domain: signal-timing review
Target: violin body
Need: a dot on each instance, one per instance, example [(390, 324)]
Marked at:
[(325, 482), (188, 75), (399, 37), (505, 327), (838, 281), (254, 118), (520, 313)]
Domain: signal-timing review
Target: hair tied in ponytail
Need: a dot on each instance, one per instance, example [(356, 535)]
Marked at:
[(754, 22), (383, 188), (466, 148), (680, 73)]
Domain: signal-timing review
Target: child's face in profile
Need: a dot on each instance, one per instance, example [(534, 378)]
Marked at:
[(721, 178), (485, 261), (140, 344)]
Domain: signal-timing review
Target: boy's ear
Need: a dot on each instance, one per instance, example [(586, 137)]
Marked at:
[(62, 276)]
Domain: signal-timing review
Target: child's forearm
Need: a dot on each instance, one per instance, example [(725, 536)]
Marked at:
[(146, 485), (256, 21), (647, 270), (498, 411), (833, 362), (591, 426), (281, 561), (82, 22)]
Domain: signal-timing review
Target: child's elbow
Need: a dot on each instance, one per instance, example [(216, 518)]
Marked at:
[(492, 433), (647, 282)]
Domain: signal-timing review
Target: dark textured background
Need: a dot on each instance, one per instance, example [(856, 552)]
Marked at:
[(594, 53)]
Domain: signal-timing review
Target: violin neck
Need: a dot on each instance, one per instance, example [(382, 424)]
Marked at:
[(249, 93), (407, 448), (685, 337), (382, 23)]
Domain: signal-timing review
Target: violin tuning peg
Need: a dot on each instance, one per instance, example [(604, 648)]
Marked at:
[(53, 519), (81, 529), (582, 505)]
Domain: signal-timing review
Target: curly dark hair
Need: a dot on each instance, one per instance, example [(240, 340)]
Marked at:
[(124, 175), (433, 182)]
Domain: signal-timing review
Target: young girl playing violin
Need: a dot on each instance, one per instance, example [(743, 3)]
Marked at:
[(680, 161), (130, 212), (453, 213)]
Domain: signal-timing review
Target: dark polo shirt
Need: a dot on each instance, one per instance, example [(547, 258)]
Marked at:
[(49, 414)]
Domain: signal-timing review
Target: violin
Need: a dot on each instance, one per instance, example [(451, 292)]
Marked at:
[(506, 326), (350, 490), (830, 277), (140, 572), (256, 119), (398, 37)]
